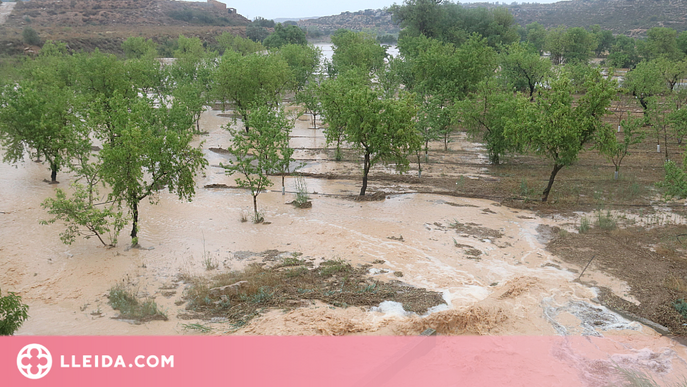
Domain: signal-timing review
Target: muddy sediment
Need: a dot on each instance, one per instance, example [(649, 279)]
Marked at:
[(488, 264)]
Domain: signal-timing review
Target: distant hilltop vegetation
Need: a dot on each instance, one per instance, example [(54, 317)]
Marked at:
[(77, 13), (629, 17)]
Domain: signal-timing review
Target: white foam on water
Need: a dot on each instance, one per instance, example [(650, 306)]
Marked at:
[(391, 308)]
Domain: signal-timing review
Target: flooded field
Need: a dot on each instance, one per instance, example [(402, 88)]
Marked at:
[(488, 261)]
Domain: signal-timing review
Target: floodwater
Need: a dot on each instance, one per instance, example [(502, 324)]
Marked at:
[(489, 261)]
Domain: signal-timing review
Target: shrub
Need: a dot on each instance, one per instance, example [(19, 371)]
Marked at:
[(30, 36), (131, 307), (12, 313), (584, 225)]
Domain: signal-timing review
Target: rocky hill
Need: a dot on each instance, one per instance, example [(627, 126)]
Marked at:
[(630, 17), (86, 24), (377, 20)]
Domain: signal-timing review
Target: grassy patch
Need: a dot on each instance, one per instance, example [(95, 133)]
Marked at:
[(133, 308), (241, 295)]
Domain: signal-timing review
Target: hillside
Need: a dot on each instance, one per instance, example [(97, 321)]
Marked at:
[(105, 24), (630, 17)]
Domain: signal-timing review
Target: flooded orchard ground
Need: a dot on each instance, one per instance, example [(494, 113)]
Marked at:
[(488, 261)]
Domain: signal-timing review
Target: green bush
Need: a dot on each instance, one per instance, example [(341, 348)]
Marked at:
[(30, 36), (12, 313)]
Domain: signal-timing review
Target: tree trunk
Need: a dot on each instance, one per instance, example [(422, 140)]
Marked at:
[(53, 173), (134, 229), (446, 141), (283, 189), (617, 172), (665, 142), (255, 207), (314, 120), (366, 170), (426, 151), (545, 195)]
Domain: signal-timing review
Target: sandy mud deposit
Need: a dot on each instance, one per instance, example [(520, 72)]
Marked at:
[(489, 262)]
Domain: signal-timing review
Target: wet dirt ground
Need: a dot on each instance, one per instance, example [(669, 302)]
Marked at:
[(489, 261)]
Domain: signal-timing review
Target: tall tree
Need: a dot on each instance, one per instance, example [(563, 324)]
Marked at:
[(380, 128), (251, 80), (557, 127), (148, 152), (41, 119), (260, 152), (486, 115), (284, 35), (615, 149), (303, 60), (644, 82), (523, 67), (357, 50)]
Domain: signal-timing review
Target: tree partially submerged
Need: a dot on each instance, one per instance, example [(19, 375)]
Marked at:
[(149, 153), (381, 129), (260, 152), (40, 120)]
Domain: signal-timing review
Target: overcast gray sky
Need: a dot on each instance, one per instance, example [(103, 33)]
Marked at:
[(273, 9)]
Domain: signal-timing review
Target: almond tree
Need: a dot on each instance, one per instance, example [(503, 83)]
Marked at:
[(259, 152), (559, 128)]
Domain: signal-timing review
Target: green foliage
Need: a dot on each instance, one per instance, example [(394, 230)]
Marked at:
[(262, 150), (584, 225), (661, 42), (675, 181), (486, 114), (284, 35), (357, 50), (681, 307), (536, 36), (606, 221), (615, 149), (262, 22), (189, 48), (82, 217), (523, 68), (555, 127), (199, 17), (40, 117), (30, 36), (303, 60), (148, 148), (380, 128), (570, 45), (623, 52), (302, 195), (257, 33), (251, 80), (229, 41), (131, 307), (136, 47), (645, 81), (451, 23), (12, 313)]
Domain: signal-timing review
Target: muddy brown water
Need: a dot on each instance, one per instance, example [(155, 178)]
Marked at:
[(476, 252)]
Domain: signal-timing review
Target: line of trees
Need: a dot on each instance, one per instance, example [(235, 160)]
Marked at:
[(473, 70)]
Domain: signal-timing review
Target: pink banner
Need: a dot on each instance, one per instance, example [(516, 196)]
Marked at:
[(320, 361)]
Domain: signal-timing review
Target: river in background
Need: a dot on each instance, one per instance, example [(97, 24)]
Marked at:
[(328, 50)]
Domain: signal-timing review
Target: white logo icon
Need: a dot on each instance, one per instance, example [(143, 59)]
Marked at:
[(34, 361)]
